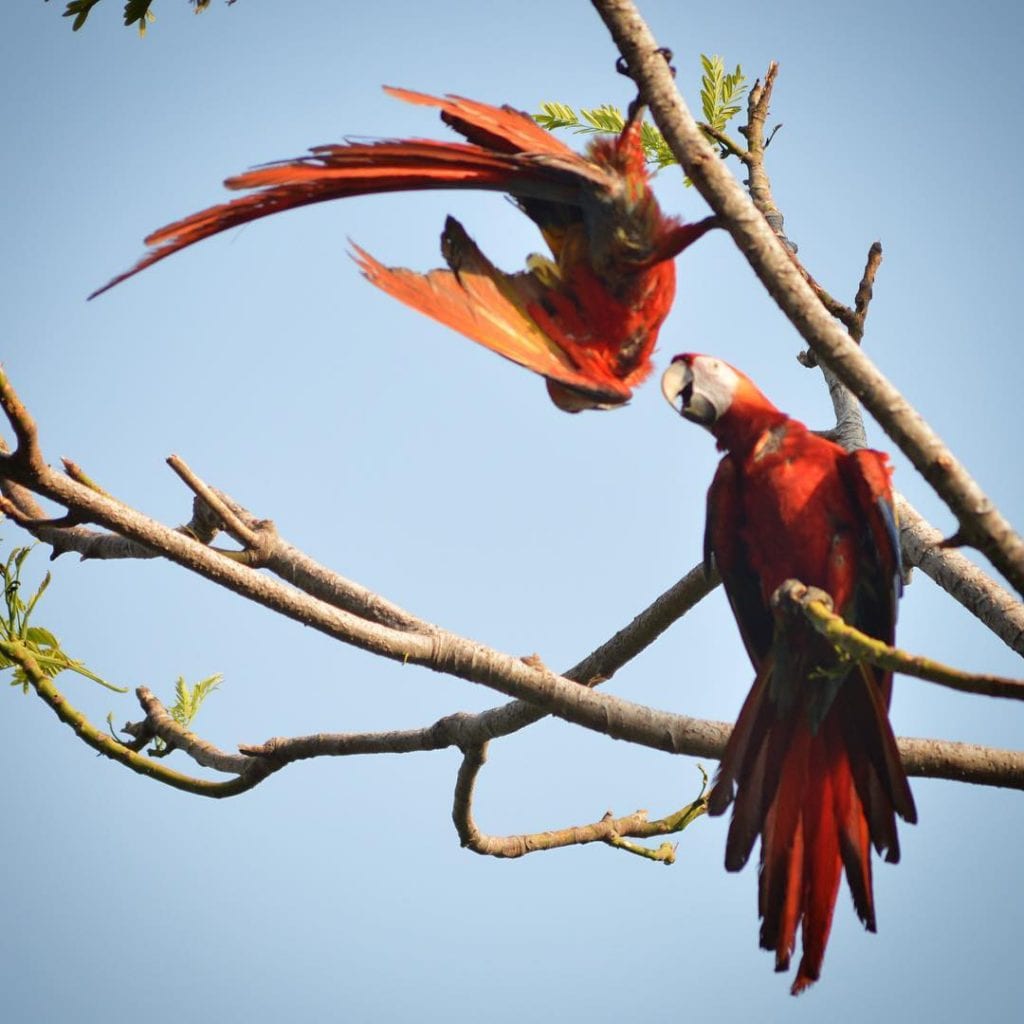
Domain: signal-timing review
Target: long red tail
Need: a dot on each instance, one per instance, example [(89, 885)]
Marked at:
[(819, 799)]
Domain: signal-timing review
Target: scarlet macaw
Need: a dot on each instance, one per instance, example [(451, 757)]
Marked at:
[(587, 320), (811, 766)]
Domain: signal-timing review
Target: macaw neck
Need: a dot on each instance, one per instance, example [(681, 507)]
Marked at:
[(745, 422)]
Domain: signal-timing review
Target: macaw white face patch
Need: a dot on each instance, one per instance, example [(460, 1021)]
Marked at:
[(715, 381)]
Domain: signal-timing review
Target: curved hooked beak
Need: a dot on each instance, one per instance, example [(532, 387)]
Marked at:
[(677, 387)]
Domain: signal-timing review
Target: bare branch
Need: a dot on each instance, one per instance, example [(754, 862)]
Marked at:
[(758, 101), (730, 147), (450, 731), (609, 830), (160, 723), (866, 290), (981, 595)]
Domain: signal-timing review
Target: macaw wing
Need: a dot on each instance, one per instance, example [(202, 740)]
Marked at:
[(884, 788), (868, 477), (750, 766), (723, 539), (472, 302), (343, 171), (507, 152)]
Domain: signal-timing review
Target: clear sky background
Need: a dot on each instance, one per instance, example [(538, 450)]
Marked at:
[(420, 465)]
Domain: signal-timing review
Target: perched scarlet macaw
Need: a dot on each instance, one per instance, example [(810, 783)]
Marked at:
[(587, 320), (811, 764)]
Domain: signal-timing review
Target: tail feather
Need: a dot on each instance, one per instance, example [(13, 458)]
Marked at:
[(819, 799), (822, 865), (782, 854), (354, 169), (741, 742), (882, 750)]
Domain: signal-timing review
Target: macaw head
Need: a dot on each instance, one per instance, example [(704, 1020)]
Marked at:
[(717, 396), (701, 388)]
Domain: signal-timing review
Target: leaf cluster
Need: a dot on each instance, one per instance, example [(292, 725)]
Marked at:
[(604, 120), (187, 701), (136, 12), (15, 626), (720, 95)]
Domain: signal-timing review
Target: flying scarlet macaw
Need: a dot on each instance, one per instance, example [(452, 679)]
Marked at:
[(811, 766), (587, 319)]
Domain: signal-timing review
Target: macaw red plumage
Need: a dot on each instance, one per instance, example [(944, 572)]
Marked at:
[(812, 765), (586, 320)]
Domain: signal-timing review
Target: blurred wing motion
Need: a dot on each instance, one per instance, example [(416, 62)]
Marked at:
[(587, 318), (812, 765)]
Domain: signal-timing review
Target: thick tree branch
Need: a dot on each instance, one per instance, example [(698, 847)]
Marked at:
[(980, 523)]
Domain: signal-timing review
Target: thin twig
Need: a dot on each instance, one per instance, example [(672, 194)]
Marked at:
[(107, 745), (730, 147), (609, 830)]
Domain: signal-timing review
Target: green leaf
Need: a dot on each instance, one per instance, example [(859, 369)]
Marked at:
[(556, 115), (605, 119), (36, 636), (720, 92), (45, 647), (188, 701), (137, 11), (79, 10), (38, 594)]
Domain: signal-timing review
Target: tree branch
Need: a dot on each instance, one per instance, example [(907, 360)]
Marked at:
[(817, 608), (105, 744), (980, 523), (609, 830), (981, 595), (446, 652)]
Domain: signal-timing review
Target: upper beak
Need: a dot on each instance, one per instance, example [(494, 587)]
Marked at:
[(674, 382)]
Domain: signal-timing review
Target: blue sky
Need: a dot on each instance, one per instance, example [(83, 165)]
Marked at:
[(420, 465)]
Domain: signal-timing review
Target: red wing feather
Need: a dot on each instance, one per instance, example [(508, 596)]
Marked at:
[(587, 320), (472, 304), (338, 172)]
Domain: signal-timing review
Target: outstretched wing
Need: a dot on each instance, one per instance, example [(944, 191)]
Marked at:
[(507, 152), (486, 305)]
